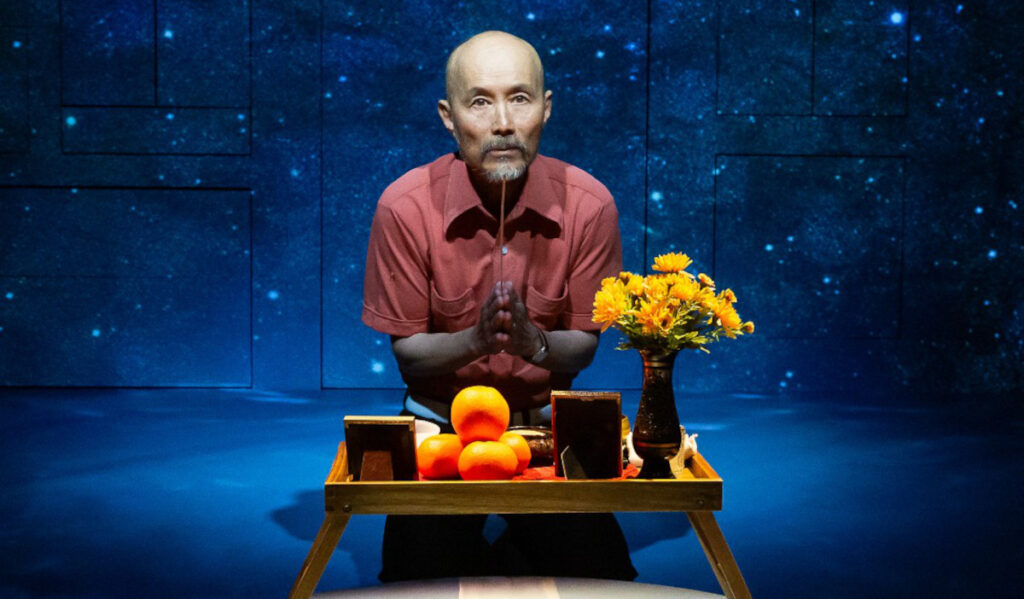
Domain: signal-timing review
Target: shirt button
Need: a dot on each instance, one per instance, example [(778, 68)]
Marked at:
[(504, 250)]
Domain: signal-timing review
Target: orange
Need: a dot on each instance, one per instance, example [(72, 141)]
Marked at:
[(438, 456), (487, 460), (479, 413), (520, 447)]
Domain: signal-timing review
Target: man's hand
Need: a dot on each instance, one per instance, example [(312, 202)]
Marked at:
[(523, 337), (503, 325), (491, 332)]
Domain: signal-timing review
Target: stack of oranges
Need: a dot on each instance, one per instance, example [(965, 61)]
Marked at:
[(480, 449)]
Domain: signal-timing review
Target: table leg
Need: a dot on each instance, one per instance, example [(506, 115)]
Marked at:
[(719, 555), (323, 546)]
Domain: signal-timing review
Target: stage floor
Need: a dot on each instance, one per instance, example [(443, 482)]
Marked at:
[(219, 493)]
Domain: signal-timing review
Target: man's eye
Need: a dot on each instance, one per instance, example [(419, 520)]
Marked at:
[(520, 99), (478, 102)]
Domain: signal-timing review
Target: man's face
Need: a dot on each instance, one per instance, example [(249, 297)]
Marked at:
[(496, 109)]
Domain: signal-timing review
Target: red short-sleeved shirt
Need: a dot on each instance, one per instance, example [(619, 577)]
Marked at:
[(432, 261)]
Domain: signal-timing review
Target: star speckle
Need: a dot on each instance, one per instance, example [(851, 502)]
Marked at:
[(95, 332), (896, 18), (377, 367), (599, 54), (168, 34), (273, 295), (71, 121)]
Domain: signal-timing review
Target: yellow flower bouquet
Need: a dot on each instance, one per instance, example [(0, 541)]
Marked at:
[(668, 310)]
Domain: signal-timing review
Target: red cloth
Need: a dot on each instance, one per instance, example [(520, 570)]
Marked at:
[(548, 473), (432, 261)]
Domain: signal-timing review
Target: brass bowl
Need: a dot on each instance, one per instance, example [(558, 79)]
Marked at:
[(542, 445)]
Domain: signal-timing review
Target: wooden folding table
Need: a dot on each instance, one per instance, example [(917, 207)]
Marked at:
[(697, 490)]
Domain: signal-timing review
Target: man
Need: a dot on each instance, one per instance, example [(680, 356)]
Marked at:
[(462, 311)]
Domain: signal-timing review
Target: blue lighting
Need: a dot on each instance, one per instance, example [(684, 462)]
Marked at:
[(9, 295), (657, 196), (529, 17), (16, 44), (71, 121), (978, 210), (768, 247), (599, 54), (896, 18), (95, 332), (168, 34), (992, 254), (170, 116), (273, 295), (377, 366)]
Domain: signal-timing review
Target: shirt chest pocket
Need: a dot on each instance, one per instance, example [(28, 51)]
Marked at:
[(449, 315), (544, 310)]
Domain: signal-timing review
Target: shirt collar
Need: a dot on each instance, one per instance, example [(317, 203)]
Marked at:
[(539, 194)]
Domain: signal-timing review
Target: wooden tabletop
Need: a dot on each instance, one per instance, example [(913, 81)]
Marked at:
[(696, 488)]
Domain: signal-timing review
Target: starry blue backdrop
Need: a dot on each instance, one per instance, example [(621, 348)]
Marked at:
[(187, 187)]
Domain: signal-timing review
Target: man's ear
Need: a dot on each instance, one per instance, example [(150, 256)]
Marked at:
[(444, 110), (547, 106)]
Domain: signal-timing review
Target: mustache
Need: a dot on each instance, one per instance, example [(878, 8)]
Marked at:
[(508, 142)]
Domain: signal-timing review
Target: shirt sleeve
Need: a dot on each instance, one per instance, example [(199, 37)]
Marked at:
[(600, 256), (395, 288)]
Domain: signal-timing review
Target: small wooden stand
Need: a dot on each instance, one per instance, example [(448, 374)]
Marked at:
[(697, 490)]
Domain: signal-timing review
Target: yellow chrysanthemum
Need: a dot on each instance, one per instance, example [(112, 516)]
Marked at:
[(635, 285), (673, 262), (654, 317), (668, 310), (728, 317), (707, 300), (685, 289), (657, 288), (609, 304)]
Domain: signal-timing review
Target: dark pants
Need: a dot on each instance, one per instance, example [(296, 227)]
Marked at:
[(574, 545)]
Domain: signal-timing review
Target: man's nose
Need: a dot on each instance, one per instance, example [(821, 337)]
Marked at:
[(502, 120)]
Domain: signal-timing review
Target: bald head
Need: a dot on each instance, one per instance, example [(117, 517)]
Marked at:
[(496, 105), (490, 49)]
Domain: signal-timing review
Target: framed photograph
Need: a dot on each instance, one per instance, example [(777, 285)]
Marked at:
[(587, 433), (381, 447)]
